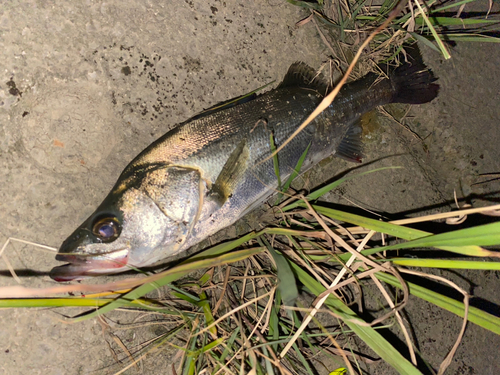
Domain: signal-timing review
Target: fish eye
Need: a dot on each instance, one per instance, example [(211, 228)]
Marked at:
[(106, 228)]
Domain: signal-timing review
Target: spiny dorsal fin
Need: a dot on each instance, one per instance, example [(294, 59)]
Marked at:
[(302, 75)]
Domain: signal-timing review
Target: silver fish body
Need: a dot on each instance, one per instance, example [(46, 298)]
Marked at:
[(210, 171)]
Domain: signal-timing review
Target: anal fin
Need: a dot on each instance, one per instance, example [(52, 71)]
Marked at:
[(351, 146)]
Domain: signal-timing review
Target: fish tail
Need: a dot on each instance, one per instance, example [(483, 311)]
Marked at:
[(413, 83)]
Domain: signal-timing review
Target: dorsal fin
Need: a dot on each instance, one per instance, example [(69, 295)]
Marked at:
[(302, 75)]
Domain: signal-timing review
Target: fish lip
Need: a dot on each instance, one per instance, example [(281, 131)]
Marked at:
[(80, 266)]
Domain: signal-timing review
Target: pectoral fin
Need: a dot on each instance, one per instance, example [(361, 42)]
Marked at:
[(231, 174)]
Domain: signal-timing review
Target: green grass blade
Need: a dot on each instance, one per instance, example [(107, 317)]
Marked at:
[(438, 40), (447, 264), (204, 279), (366, 18), (476, 316), (326, 21), (386, 8), (401, 20), (391, 58), (228, 344), (82, 302), (472, 38), (185, 298), (207, 311), (456, 241), (454, 5), (450, 21)]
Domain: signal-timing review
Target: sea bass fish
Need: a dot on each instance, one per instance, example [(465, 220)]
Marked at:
[(210, 171)]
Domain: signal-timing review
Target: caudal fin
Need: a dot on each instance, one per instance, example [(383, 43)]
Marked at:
[(413, 83)]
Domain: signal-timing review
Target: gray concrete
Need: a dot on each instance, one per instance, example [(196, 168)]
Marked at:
[(86, 86)]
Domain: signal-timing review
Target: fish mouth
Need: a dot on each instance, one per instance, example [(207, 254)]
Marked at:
[(79, 266)]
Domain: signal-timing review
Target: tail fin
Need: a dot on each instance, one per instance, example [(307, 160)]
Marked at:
[(413, 83)]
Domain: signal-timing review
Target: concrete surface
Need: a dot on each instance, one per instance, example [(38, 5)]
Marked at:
[(85, 86)]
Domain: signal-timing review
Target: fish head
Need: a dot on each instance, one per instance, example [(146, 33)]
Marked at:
[(138, 224)]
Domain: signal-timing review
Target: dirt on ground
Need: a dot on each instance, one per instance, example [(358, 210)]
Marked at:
[(85, 86)]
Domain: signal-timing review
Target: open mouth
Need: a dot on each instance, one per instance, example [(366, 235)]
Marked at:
[(80, 266)]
